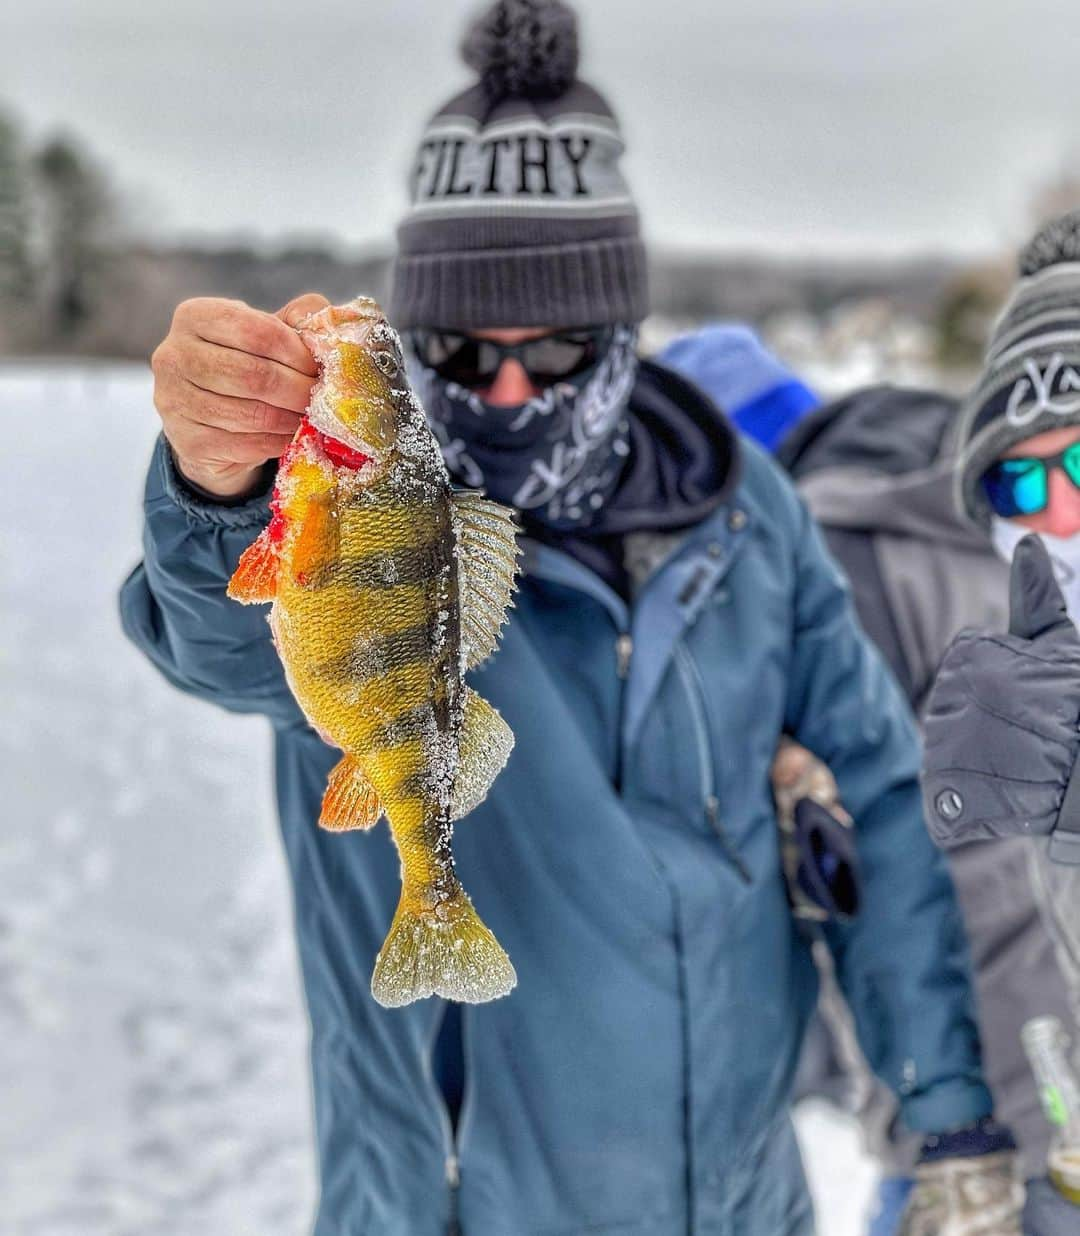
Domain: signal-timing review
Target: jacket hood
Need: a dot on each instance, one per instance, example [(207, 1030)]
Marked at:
[(882, 460), (730, 364)]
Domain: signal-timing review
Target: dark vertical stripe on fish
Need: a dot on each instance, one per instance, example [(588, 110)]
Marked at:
[(407, 564), (371, 658)]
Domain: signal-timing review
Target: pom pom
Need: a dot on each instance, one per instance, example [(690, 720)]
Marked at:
[(523, 49), (1057, 242)]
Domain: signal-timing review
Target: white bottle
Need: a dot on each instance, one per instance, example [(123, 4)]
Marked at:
[(1047, 1044)]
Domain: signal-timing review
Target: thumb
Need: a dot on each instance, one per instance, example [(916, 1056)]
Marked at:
[(1036, 605), (300, 307)]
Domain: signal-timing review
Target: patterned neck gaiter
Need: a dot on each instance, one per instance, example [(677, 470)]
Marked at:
[(557, 458)]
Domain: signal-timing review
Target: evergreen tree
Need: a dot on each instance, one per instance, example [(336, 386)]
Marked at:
[(16, 262), (75, 216)]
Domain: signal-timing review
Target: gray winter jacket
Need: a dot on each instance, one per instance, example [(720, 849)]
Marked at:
[(876, 470)]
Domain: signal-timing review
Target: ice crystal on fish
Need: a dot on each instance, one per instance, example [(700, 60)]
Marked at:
[(386, 586)]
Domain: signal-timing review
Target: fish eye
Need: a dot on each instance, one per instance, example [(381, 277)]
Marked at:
[(386, 363)]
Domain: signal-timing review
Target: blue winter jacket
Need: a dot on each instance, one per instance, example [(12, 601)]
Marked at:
[(637, 1080)]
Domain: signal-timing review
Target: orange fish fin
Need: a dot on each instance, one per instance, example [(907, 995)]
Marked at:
[(484, 747), (256, 575), (350, 800), (487, 562), (444, 952), (317, 540)]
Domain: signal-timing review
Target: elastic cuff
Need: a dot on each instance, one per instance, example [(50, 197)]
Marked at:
[(248, 513), (973, 1141), (1064, 849), (949, 1105)]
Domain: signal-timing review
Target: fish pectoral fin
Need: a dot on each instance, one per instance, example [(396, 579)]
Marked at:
[(317, 540), (487, 562), (485, 746), (350, 800), (256, 576)]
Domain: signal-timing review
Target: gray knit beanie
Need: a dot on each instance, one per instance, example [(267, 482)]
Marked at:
[(1030, 380), (520, 215)]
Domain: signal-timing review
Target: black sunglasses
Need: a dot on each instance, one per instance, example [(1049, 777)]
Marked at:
[(473, 362)]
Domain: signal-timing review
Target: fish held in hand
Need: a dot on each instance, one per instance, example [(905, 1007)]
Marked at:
[(387, 585)]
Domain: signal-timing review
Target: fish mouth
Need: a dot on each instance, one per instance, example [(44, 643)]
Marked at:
[(351, 322), (362, 324)]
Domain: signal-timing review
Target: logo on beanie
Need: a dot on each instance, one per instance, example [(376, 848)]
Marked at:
[(1053, 389), (520, 164), (569, 165)]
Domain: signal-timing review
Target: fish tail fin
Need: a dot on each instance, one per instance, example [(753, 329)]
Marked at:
[(444, 952), (256, 574)]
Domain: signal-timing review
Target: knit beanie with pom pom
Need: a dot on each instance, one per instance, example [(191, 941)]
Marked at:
[(1030, 381), (519, 213)]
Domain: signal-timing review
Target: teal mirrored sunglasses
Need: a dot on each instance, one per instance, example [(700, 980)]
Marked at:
[(1021, 486)]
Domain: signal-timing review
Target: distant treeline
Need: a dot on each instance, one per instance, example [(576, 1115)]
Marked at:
[(122, 305), (73, 282), (58, 228)]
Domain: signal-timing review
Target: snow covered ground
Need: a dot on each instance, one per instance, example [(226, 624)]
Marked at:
[(153, 1073)]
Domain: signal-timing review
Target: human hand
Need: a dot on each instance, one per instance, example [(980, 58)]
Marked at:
[(1000, 731), (817, 845), (967, 1183), (230, 385)]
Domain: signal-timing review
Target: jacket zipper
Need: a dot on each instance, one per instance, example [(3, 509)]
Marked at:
[(624, 650), (695, 694), (451, 1139)]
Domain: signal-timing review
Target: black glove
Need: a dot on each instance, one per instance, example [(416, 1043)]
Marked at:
[(817, 839), (1001, 726)]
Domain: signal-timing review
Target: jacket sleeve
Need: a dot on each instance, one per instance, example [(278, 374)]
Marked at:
[(903, 962), (174, 608)]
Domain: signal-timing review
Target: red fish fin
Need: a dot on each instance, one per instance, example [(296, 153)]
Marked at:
[(484, 747), (350, 800), (256, 574), (316, 541)]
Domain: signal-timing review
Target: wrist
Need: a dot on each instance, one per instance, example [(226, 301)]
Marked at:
[(227, 489)]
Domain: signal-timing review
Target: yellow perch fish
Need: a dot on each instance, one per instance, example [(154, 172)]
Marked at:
[(387, 585)]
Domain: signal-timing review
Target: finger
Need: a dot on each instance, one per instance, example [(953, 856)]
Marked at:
[(301, 307), (1036, 605), (235, 414), (228, 371), (255, 448), (259, 334), (790, 763), (207, 446)]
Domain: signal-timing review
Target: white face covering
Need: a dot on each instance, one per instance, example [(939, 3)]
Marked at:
[(1064, 553)]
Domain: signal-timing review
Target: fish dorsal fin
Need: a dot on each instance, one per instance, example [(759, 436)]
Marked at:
[(487, 563)]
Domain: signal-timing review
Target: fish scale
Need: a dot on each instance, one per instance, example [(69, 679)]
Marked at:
[(376, 569)]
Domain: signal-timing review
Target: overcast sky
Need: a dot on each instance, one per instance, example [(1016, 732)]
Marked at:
[(866, 125)]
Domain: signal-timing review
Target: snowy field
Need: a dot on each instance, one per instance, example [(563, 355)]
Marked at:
[(153, 1074)]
